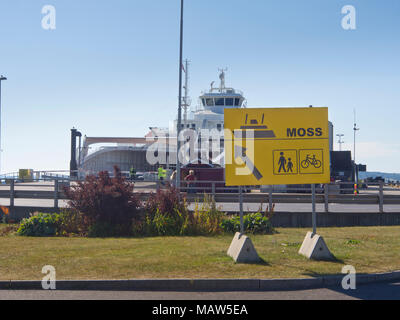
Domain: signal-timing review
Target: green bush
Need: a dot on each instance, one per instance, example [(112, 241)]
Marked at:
[(160, 224), (40, 225), (255, 223), (168, 215), (167, 225), (205, 220), (72, 222), (165, 214)]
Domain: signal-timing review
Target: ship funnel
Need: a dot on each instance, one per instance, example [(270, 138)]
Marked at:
[(73, 165)]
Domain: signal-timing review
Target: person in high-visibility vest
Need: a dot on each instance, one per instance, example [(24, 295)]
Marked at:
[(132, 173), (162, 173)]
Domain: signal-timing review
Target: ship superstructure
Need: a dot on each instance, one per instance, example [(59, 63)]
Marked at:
[(212, 103)]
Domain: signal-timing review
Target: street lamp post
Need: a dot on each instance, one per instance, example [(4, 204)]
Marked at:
[(2, 78), (340, 141), (178, 144), (354, 146)]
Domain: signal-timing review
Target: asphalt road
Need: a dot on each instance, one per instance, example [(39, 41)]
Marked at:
[(379, 291)]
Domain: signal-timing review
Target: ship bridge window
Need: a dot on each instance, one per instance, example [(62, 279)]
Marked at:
[(204, 102), (210, 102), (229, 101), (220, 102), (237, 102)]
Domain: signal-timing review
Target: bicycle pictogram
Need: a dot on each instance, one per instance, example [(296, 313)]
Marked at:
[(313, 161)]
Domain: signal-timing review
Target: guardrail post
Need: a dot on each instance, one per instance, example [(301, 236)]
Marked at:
[(326, 197), (270, 198), (56, 193), (314, 211), (381, 197), (12, 192), (241, 210)]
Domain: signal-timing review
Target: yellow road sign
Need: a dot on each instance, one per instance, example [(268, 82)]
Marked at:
[(268, 146)]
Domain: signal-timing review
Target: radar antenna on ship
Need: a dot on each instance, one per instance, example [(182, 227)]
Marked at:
[(222, 78)]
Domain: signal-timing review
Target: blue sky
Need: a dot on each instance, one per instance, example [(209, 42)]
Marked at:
[(111, 68)]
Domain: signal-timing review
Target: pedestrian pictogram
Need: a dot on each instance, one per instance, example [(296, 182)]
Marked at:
[(282, 163), (285, 162)]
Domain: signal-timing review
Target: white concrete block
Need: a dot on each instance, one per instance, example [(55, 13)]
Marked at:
[(314, 247), (242, 249)]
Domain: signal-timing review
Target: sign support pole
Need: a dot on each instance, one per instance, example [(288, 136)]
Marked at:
[(241, 210), (241, 248), (314, 214), (314, 246)]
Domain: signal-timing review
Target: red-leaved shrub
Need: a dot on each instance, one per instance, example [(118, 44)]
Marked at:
[(102, 199), (166, 202)]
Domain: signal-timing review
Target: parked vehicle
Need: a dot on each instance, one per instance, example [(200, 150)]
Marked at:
[(208, 173)]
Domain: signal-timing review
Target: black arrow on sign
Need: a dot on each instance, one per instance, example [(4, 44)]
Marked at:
[(240, 152)]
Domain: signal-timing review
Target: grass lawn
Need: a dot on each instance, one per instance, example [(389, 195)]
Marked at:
[(372, 249)]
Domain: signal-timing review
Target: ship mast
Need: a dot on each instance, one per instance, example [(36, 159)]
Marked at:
[(186, 101), (222, 78)]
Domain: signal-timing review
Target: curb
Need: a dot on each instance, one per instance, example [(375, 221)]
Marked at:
[(202, 284)]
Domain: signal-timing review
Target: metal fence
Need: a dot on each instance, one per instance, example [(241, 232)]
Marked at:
[(341, 193)]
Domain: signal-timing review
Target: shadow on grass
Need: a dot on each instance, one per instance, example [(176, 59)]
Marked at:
[(334, 259), (314, 274), (261, 262)]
